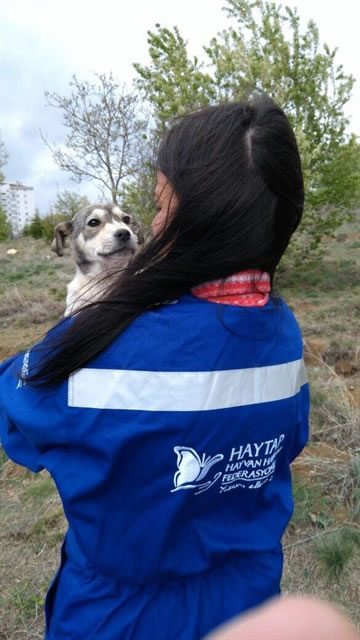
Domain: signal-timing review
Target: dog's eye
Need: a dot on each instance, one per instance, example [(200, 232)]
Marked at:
[(126, 219), (94, 222)]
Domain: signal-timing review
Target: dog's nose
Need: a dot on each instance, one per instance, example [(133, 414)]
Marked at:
[(122, 234)]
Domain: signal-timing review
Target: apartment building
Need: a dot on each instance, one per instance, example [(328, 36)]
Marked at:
[(18, 203)]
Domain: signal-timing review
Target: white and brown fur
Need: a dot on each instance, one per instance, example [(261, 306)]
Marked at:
[(103, 239)]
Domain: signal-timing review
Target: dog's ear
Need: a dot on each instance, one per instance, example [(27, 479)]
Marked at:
[(62, 231), (136, 228)]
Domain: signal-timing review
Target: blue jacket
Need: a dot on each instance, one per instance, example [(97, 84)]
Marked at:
[(171, 452)]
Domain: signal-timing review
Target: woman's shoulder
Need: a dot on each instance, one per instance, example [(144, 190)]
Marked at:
[(192, 334)]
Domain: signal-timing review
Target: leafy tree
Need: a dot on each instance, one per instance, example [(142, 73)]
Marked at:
[(137, 195), (5, 226), (173, 83), (49, 222), (266, 50), (3, 159), (104, 127), (68, 203), (25, 231), (35, 227)]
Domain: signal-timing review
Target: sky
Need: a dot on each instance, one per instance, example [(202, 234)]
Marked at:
[(44, 42)]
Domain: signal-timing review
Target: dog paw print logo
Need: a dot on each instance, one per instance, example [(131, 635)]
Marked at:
[(192, 470)]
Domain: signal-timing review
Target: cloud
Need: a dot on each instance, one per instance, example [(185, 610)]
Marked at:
[(46, 42), (30, 67)]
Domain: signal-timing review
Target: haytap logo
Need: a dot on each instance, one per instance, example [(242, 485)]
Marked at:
[(248, 466), (192, 469)]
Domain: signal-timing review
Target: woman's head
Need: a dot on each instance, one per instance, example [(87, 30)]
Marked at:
[(229, 195), (232, 178)]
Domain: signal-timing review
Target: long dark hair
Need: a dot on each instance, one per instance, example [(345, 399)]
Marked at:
[(236, 172)]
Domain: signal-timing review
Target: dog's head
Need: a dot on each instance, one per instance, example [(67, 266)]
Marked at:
[(99, 233)]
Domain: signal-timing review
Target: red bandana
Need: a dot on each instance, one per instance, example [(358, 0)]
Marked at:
[(249, 288)]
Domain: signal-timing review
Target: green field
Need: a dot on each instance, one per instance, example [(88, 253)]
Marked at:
[(322, 544)]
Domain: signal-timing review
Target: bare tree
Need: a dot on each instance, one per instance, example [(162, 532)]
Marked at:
[(105, 126)]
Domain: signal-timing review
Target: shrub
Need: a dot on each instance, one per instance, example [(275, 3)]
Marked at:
[(5, 226)]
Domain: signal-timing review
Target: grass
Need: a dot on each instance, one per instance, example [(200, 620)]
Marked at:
[(3, 458), (335, 552), (39, 490), (27, 603), (322, 542), (311, 506), (321, 557), (32, 292), (32, 526)]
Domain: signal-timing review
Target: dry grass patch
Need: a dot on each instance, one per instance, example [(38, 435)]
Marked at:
[(25, 307), (32, 293), (32, 525), (306, 571), (322, 543)]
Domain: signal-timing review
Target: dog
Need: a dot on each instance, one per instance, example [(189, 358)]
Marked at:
[(103, 239)]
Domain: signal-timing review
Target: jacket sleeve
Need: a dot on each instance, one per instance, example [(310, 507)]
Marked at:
[(14, 440), (302, 427), (30, 417), (17, 446)]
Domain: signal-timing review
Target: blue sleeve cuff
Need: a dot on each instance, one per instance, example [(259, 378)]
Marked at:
[(17, 447)]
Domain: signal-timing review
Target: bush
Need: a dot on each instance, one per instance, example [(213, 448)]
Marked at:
[(335, 552), (49, 223), (35, 229), (5, 226)]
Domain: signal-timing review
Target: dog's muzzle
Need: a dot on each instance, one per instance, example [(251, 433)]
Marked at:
[(123, 243)]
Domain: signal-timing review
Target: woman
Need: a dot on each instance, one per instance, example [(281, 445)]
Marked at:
[(169, 413)]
